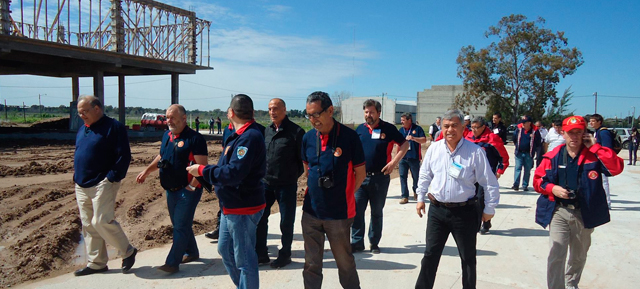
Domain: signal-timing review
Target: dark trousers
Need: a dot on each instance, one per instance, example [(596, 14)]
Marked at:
[(337, 231), (286, 197), (372, 191), (404, 167), (182, 206), (633, 153), (462, 223)]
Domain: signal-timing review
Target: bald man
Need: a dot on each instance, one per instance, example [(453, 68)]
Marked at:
[(283, 140), (100, 162)]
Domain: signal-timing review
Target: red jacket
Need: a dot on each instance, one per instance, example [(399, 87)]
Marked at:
[(594, 162), (493, 146)]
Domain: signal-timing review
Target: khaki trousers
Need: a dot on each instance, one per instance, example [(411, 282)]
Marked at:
[(97, 212), (567, 233)]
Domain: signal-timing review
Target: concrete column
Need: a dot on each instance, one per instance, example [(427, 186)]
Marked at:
[(117, 26), (75, 88), (98, 86), (175, 88), (5, 22), (121, 105)]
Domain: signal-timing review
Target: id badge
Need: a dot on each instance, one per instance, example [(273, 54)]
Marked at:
[(496, 131), (375, 134), (455, 169)]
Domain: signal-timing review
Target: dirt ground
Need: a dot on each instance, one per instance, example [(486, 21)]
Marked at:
[(40, 226)]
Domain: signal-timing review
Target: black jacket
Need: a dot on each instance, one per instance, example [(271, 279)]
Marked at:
[(501, 131), (284, 163)]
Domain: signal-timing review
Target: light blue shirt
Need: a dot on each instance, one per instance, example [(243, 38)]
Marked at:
[(436, 179)]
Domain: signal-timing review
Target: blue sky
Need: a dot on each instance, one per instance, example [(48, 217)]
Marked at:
[(289, 49)]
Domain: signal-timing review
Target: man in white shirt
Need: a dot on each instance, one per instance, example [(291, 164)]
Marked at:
[(449, 172), (554, 138)]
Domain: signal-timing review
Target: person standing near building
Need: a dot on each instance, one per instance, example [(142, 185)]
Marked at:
[(498, 127), (572, 201), (283, 140), (219, 124), (336, 167), (378, 138), (434, 129), (411, 161), (197, 124), (496, 155), (181, 147), (238, 183), (604, 137), (448, 178), (526, 140), (100, 162), (634, 140), (211, 129)]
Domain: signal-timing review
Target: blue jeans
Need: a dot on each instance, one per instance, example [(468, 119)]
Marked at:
[(182, 206), (403, 168), (523, 159), (286, 197), (237, 247), (374, 191)]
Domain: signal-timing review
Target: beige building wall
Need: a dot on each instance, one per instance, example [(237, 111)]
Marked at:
[(436, 101), (352, 112)]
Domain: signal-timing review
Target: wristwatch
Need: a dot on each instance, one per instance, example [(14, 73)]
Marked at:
[(191, 187)]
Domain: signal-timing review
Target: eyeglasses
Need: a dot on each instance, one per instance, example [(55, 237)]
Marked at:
[(314, 115), (476, 127)]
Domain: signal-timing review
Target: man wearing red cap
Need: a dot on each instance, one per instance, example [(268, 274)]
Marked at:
[(572, 201)]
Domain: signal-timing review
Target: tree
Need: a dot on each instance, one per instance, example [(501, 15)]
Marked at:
[(518, 74), (560, 108)]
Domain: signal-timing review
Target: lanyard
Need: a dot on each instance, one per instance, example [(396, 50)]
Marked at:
[(564, 159), (318, 148)]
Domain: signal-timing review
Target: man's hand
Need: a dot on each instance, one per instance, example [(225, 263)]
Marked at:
[(409, 137), (560, 192), (388, 169), (420, 208), (588, 140), (486, 217), (142, 176), (193, 170), (498, 175)]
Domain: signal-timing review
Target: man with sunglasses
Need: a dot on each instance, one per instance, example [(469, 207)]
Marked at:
[(335, 164)]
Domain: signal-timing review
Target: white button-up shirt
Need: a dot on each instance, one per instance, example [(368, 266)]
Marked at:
[(554, 139), (435, 177)]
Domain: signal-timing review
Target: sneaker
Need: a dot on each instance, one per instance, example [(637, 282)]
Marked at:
[(189, 258), (404, 201), (128, 262), (281, 262), (264, 259), (213, 234), (356, 248), (515, 188), (168, 269), (375, 249), (485, 228)]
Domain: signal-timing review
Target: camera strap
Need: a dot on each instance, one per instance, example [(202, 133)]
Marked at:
[(565, 157), (333, 147)]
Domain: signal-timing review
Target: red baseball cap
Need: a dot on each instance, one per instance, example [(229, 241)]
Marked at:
[(572, 122)]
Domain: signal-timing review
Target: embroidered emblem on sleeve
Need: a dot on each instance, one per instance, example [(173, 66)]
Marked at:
[(593, 175), (241, 152)]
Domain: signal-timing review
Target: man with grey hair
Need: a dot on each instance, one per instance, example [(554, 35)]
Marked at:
[(101, 161), (447, 178)]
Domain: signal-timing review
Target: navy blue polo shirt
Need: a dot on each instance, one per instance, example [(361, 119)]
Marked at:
[(179, 151), (378, 143), (415, 148), (339, 153), (568, 174)]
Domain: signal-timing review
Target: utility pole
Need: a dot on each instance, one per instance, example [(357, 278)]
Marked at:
[(5, 110), (596, 95), (633, 117), (24, 112)]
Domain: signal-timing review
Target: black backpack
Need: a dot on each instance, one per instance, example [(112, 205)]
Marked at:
[(617, 140)]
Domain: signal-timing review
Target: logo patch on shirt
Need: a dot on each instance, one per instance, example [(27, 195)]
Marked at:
[(414, 131), (593, 175), (338, 152), (241, 152), (382, 136), (180, 144)]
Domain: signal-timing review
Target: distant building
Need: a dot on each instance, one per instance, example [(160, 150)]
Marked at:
[(436, 101), (391, 110)]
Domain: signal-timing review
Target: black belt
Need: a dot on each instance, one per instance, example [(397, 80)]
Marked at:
[(176, 189), (371, 174), (435, 202), (568, 206)]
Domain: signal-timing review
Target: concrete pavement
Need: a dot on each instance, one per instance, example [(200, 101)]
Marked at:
[(513, 255)]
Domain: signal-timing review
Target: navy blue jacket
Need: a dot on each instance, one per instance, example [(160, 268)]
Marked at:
[(238, 175), (604, 137), (522, 138), (102, 151), (593, 162)]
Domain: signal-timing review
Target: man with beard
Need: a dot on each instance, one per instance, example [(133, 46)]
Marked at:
[(378, 138), (181, 147)]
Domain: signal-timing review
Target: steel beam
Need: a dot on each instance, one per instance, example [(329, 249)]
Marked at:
[(121, 105)]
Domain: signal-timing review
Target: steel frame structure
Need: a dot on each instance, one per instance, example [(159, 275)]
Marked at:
[(136, 27)]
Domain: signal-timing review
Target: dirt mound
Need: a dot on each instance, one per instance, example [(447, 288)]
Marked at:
[(36, 168), (52, 123)]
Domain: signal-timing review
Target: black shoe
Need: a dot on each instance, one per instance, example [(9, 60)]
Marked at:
[(281, 262), (356, 248), (264, 259), (128, 262), (189, 258), (526, 189), (213, 235), (168, 269), (515, 188), (88, 271), (485, 228), (375, 249)]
